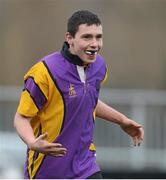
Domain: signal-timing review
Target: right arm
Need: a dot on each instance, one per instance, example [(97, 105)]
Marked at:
[(39, 144)]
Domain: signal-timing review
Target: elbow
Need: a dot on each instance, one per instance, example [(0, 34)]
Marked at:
[(15, 121)]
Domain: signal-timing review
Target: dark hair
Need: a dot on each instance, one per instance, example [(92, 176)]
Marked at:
[(81, 17)]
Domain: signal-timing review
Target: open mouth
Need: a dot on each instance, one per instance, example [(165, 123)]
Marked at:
[(91, 52)]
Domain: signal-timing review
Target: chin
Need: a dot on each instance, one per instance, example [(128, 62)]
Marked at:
[(89, 61)]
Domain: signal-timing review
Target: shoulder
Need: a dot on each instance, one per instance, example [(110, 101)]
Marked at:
[(53, 58), (100, 67), (100, 59), (36, 69), (99, 64), (39, 68)]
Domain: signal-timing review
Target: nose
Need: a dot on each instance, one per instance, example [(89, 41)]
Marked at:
[(94, 43)]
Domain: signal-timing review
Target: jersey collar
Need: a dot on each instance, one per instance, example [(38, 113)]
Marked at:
[(74, 59)]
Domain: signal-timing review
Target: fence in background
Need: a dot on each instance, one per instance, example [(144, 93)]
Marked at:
[(115, 150), (114, 147)]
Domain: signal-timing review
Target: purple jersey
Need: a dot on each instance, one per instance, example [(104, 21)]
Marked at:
[(64, 106)]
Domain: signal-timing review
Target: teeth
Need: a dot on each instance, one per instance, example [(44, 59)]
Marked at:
[(91, 52)]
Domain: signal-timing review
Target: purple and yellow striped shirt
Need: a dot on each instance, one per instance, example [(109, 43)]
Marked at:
[(64, 106)]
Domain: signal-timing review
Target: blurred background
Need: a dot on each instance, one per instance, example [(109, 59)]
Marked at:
[(135, 53)]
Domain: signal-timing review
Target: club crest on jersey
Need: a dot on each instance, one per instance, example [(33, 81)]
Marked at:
[(72, 91)]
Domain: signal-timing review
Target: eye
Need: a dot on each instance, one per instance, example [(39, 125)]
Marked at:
[(99, 36), (87, 36)]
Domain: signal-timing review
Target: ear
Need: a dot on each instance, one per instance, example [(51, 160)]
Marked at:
[(69, 38)]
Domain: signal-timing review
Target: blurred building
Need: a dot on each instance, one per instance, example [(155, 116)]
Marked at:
[(134, 37), (135, 52)]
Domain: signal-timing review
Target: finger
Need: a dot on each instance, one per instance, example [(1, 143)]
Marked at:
[(142, 133), (55, 149), (139, 132), (137, 141), (56, 153), (134, 141), (136, 125), (58, 145), (55, 146), (61, 152), (53, 152)]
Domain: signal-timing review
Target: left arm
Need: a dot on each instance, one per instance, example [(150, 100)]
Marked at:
[(132, 128)]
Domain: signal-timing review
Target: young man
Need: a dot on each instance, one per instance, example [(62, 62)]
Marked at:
[(56, 113)]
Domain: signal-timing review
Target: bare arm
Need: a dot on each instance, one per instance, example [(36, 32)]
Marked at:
[(40, 144), (24, 129), (108, 113), (132, 128)]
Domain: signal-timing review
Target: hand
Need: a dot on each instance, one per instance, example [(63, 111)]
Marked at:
[(133, 129), (41, 145)]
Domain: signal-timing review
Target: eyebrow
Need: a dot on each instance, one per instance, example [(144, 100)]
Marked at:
[(90, 35)]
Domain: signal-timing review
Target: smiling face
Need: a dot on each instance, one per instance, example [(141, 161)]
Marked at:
[(86, 43)]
